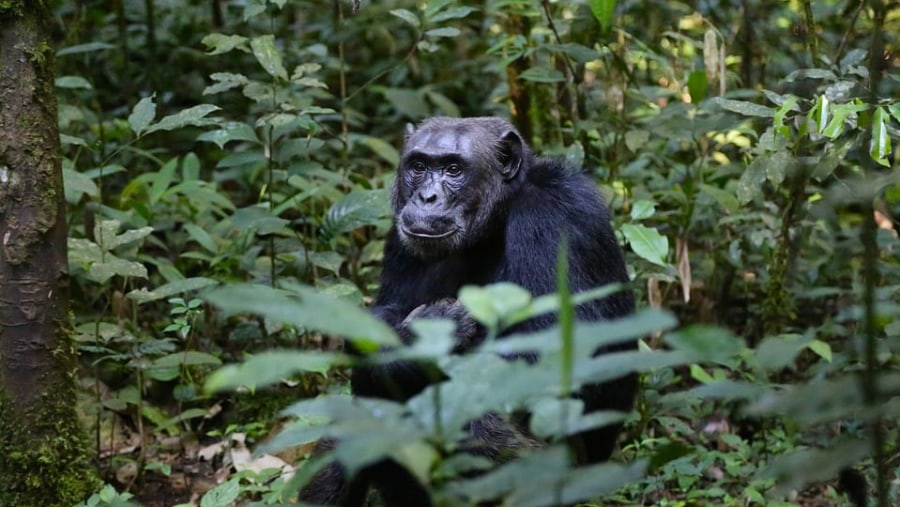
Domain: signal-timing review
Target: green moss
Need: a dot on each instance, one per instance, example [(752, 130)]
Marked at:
[(46, 453)]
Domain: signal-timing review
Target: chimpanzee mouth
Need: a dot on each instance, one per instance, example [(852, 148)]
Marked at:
[(428, 234)]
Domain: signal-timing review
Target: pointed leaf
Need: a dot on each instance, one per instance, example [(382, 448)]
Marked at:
[(880, 145), (220, 43), (270, 367), (268, 56), (447, 31), (143, 113), (603, 11), (192, 116), (313, 311), (451, 13), (170, 289), (542, 75), (647, 243), (407, 16), (745, 108)]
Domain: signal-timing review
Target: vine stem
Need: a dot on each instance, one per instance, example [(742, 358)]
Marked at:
[(811, 41), (871, 394)]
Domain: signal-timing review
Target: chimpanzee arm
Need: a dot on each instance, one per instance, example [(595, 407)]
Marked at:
[(407, 283)]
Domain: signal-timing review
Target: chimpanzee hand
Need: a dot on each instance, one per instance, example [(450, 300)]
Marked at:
[(467, 330)]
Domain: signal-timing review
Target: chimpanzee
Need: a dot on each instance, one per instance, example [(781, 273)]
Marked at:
[(473, 205)]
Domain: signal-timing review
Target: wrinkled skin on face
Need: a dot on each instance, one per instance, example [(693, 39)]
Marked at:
[(453, 177)]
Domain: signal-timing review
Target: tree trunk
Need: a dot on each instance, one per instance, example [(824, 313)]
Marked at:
[(43, 456)]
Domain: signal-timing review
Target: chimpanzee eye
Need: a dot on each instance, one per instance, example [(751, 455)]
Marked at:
[(418, 167), (453, 170)]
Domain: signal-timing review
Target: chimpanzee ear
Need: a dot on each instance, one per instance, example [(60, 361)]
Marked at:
[(410, 129), (510, 154)]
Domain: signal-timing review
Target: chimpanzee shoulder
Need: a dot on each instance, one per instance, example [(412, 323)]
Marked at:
[(559, 201)]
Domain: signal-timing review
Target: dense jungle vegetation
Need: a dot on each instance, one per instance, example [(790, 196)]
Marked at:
[(227, 166)]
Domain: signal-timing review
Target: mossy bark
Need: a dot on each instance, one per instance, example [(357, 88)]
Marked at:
[(44, 458)]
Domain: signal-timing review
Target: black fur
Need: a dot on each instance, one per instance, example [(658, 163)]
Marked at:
[(474, 206)]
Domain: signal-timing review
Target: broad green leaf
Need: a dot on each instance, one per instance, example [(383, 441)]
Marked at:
[(306, 68), (187, 415), (443, 102), (577, 52), (384, 150), (254, 8), (85, 48), (603, 10), (435, 6), (589, 336), (550, 302), (230, 131), (745, 108), (407, 16), (880, 144), (186, 358), (77, 184), (451, 13), (258, 219), (271, 367), (775, 353), (192, 116), (357, 209), (447, 31), (543, 478), (698, 85), (796, 470), (750, 185), (718, 390), (615, 365), (700, 375), (835, 153), (642, 209), (725, 198), (101, 265), (312, 311), (636, 140), (840, 114), (219, 43), (822, 349), (268, 56), (328, 260), (162, 179), (824, 400), (106, 234), (853, 57), (821, 112), (142, 114), (546, 420), (647, 243), (203, 237), (73, 82), (810, 74), (225, 81), (408, 102), (222, 495), (542, 75), (780, 163), (706, 342), (492, 304), (895, 110), (790, 104), (72, 140), (170, 289)]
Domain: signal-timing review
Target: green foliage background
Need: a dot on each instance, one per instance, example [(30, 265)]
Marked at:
[(745, 148)]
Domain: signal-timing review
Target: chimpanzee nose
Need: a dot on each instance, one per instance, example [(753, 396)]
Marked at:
[(428, 196)]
